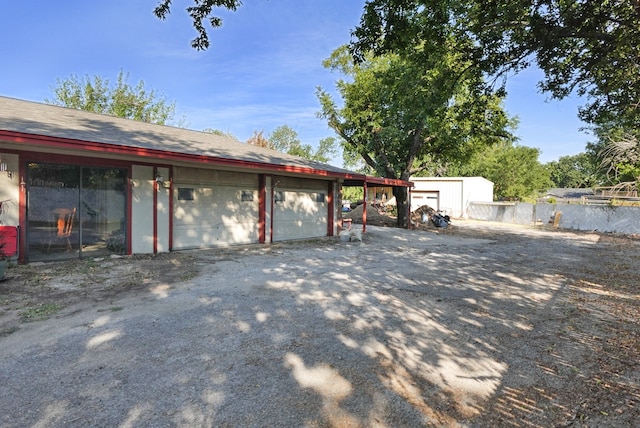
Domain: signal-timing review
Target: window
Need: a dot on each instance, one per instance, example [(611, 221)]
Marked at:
[(278, 196), (320, 198), (185, 194), (75, 211), (247, 196)]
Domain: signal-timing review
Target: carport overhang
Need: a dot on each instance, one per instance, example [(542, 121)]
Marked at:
[(366, 181)]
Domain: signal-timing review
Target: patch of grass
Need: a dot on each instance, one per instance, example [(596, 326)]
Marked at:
[(39, 280), (623, 203), (40, 312), (189, 275), (87, 266)]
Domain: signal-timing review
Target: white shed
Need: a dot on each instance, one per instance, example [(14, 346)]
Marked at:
[(450, 195)]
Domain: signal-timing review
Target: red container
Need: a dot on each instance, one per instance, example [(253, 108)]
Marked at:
[(8, 241)]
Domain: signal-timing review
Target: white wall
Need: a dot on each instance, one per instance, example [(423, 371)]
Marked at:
[(453, 193), (268, 213), (477, 189), (164, 211), (299, 215), (142, 209), (601, 218), (9, 191), (217, 215)]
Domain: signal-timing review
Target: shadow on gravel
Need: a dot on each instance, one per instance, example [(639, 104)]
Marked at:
[(403, 329)]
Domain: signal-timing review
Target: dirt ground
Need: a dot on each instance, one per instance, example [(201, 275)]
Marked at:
[(480, 324)]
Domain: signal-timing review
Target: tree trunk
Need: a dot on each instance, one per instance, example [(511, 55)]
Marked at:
[(402, 202)]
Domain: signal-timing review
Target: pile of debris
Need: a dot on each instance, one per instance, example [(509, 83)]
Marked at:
[(375, 216), (426, 216)]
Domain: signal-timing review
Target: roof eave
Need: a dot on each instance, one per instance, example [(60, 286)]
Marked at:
[(94, 147)]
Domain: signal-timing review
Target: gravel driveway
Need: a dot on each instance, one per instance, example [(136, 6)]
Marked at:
[(407, 328)]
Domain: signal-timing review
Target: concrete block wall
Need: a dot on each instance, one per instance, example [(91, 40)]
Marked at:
[(600, 218), (577, 217)]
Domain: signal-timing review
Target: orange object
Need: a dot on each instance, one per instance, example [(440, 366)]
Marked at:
[(64, 225)]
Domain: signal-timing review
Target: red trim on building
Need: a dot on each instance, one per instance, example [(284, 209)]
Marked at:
[(160, 158), (129, 222), (364, 208), (409, 225), (55, 158), (331, 208), (171, 208), (22, 212), (155, 155), (65, 143), (271, 215), (155, 210)]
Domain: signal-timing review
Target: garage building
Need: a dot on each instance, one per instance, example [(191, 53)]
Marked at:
[(450, 195), (80, 184)]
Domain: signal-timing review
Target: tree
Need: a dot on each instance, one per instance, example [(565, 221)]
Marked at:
[(258, 140), (514, 170), (400, 115), (201, 10), (121, 100), (620, 157), (219, 132), (616, 154), (327, 147), (575, 171), (285, 139), (591, 47)]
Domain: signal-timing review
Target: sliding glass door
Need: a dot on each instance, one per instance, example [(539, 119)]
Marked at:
[(75, 211)]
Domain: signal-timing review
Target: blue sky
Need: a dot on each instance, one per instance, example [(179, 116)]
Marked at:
[(260, 72)]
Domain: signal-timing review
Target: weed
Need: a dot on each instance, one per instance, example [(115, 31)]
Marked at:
[(40, 313), (189, 275)]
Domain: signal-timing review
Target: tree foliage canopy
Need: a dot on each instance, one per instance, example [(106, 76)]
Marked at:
[(591, 47), (514, 170), (219, 132), (617, 153), (575, 171), (258, 139), (401, 115), (285, 139), (201, 10), (621, 158), (97, 95)]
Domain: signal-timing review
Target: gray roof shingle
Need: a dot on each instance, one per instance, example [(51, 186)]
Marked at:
[(53, 121)]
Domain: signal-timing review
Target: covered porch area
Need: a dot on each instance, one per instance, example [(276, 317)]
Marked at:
[(379, 185)]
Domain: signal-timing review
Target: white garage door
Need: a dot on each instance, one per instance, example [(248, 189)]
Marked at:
[(420, 198), (214, 208), (300, 212)]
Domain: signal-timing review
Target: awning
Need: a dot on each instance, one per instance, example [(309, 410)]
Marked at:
[(365, 181)]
